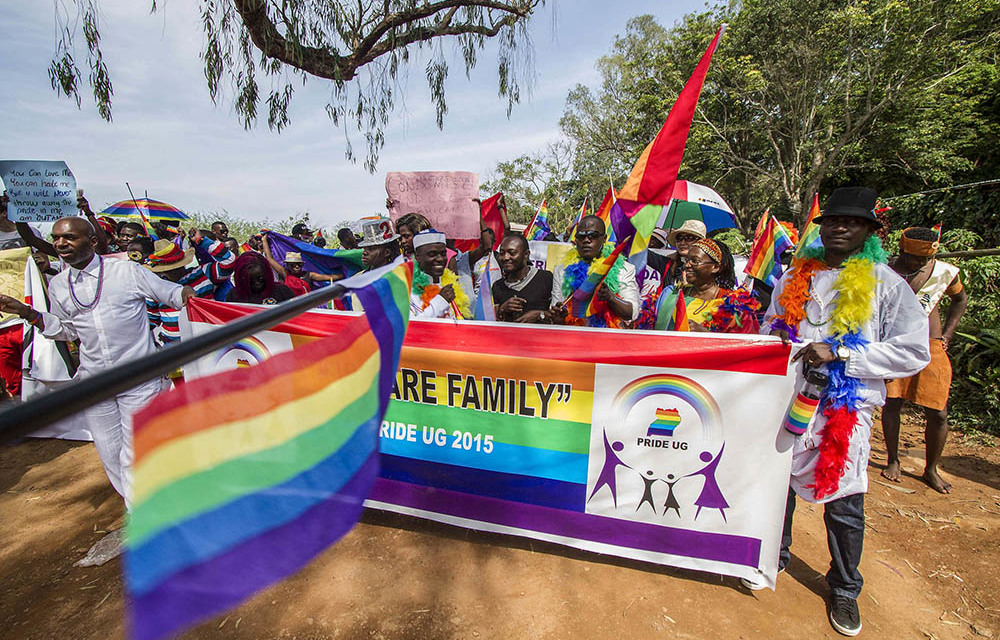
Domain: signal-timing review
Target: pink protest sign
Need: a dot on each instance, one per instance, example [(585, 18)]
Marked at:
[(446, 198)]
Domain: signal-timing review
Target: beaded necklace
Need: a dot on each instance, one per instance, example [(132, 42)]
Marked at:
[(97, 296)]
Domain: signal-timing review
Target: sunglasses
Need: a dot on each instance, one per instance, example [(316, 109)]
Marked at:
[(683, 237), (584, 235)]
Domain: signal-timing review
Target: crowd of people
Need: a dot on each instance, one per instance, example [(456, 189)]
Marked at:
[(859, 317)]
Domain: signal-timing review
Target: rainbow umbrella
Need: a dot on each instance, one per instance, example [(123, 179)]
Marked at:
[(145, 207), (692, 201)]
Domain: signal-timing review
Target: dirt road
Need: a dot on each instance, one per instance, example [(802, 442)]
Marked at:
[(931, 566)]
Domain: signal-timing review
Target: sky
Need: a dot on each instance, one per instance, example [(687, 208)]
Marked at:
[(169, 140)]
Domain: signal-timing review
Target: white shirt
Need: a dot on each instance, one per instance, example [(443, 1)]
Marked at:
[(116, 329), (897, 336), (628, 290), (438, 307)]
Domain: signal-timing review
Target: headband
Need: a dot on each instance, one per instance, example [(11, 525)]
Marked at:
[(428, 236), (711, 247), (921, 248)]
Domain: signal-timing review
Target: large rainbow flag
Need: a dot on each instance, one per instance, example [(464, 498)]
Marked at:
[(809, 236), (241, 478), (765, 257), (641, 204), (315, 259), (538, 228), (582, 300)]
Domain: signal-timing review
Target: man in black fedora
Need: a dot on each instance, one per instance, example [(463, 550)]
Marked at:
[(856, 321)]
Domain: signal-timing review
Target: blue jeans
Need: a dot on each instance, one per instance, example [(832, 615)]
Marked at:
[(845, 536)]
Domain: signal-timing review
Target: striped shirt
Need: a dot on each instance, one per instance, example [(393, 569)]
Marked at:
[(204, 279)]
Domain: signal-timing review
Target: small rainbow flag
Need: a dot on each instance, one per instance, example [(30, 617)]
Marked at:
[(800, 414), (671, 311), (765, 263), (666, 421), (761, 224), (579, 216), (539, 227), (241, 478), (809, 236), (604, 211), (937, 229), (582, 300)]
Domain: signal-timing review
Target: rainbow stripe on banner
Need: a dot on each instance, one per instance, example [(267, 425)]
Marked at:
[(801, 414), (666, 421), (242, 477)]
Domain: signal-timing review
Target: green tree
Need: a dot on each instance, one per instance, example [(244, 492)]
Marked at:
[(802, 96), (359, 47)]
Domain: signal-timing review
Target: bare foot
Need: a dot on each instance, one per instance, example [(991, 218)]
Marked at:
[(891, 472), (936, 482)]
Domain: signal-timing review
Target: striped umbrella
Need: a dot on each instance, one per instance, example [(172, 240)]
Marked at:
[(692, 201), (145, 207)]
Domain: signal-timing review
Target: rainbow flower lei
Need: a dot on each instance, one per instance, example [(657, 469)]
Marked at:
[(576, 271), (856, 286), (427, 290)]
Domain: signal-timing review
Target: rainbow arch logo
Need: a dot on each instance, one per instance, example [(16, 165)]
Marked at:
[(675, 386), (250, 345)]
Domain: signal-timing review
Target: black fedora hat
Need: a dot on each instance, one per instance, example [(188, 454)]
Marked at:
[(857, 202)]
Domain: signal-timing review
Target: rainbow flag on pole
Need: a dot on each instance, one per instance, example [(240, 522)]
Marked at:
[(539, 227), (809, 237), (671, 311), (604, 211), (582, 300), (241, 478), (765, 262)]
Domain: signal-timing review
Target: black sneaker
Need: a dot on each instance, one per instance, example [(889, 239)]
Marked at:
[(844, 616)]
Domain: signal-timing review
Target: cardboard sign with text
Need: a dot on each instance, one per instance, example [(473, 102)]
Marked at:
[(39, 190), (446, 198)]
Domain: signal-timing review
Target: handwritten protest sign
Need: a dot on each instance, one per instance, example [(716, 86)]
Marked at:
[(39, 190), (443, 197), (12, 263)]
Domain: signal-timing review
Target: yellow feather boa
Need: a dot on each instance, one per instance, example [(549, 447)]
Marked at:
[(430, 290), (856, 286)]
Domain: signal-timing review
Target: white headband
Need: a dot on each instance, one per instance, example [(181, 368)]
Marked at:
[(428, 237)]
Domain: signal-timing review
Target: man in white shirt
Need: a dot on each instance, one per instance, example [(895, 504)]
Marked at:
[(889, 342), (103, 304), (620, 297)]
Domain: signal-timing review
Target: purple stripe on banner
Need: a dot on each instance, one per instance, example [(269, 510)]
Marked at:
[(200, 591), (719, 547), (388, 327), (555, 494)]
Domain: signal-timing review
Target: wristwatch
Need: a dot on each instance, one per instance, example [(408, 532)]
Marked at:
[(843, 353)]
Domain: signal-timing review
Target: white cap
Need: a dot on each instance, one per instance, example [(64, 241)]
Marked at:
[(428, 236)]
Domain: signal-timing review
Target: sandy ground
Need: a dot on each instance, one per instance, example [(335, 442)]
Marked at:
[(930, 566)]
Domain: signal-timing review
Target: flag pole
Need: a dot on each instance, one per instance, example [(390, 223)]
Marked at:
[(27, 417)]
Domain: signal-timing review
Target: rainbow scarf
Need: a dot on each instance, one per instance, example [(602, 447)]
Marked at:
[(427, 290), (841, 399), (241, 478), (576, 272)]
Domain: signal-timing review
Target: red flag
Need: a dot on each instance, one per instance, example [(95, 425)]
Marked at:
[(680, 317), (655, 172), (489, 211)]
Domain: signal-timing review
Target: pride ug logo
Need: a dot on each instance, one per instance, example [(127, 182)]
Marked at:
[(662, 436)]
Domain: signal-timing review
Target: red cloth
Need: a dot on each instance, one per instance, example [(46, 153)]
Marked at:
[(298, 286), (11, 348), (490, 214)]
